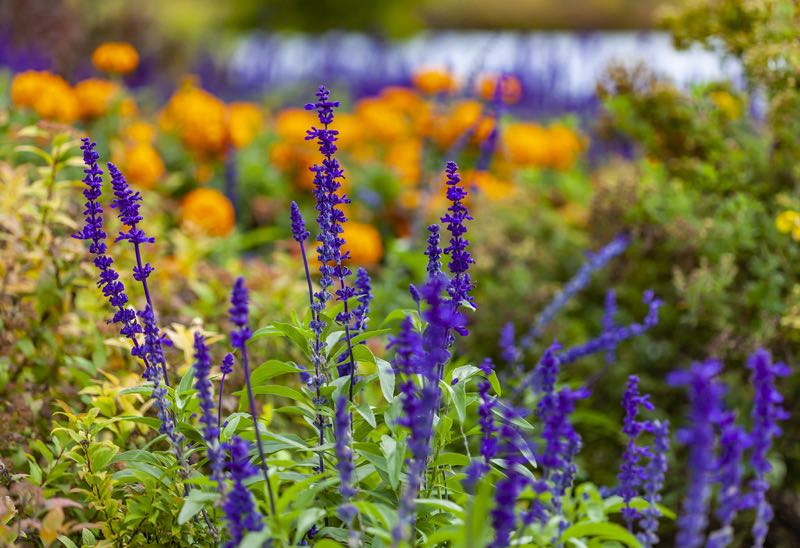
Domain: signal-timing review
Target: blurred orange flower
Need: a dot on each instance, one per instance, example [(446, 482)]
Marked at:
[(434, 81), (95, 96), (140, 132), (510, 88), (363, 241), (48, 94), (116, 57), (246, 121), (142, 164), (208, 211), (199, 118)]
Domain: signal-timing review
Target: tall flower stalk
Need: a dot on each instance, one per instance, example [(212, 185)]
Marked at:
[(327, 182), (202, 383), (300, 235), (239, 313), (239, 507), (127, 202), (705, 399), (227, 369)]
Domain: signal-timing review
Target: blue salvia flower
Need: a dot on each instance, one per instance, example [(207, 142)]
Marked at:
[(632, 472), (363, 294), (611, 339), (609, 312), (202, 383), (330, 219), (364, 298), (488, 447), (239, 507), (705, 399), (227, 369), (126, 201), (109, 282), (433, 251), (729, 472), (152, 350), (560, 441), (418, 406), (300, 235), (596, 261), (299, 232), (239, 316), (654, 475), (768, 410), (508, 346), (460, 258), (508, 488), (344, 460)]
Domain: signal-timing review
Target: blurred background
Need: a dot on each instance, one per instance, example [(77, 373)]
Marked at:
[(573, 121)]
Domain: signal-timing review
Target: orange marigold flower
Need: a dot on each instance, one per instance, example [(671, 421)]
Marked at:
[(142, 165), (510, 88), (200, 118), (526, 144), (434, 81), (363, 241), (246, 121), (140, 132), (95, 96), (116, 57), (208, 211), (565, 146), (48, 94)]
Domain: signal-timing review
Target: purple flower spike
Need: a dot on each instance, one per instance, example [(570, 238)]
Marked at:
[(239, 507), (632, 472), (768, 410), (460, 258), (202, 370), (705, 399), (344, 458), (434, 251), (654, 481), (299, 232)]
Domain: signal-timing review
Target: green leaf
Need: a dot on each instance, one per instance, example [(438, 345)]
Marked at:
[(365, 411), (495, 382), (398, 315), (386, 378), (604, 530), (270, 390), (451, 459), (444, 505), (270, 369), (100, 455), (306, 519), (67, 542), (394, 452), (458, 397), (193, 503)]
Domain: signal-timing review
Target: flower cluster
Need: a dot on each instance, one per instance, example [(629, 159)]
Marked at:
[(239, 507), (202, 383), (767, 412), (460, 258), (705, 397), (595, 262), (344, 459)]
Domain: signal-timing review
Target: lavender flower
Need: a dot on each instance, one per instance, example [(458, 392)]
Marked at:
[(93, 231), (705, 399), (151, 349), (239, 313), (508, 488), (767, 412), (127, 202), (654, 481), (488, 448), (418, 406), (330, 219), (460, 258), (611, 339), (608, 321), (363, 294), (202, 370), (632, 473), (299, 232), (239, 507), (729, 471), (595, 262), (433, 251), (227, 369), (344, 460), (508, 347)]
